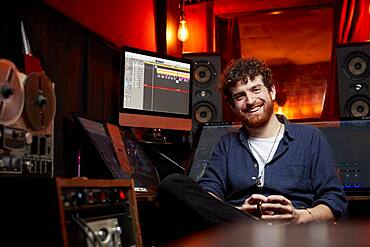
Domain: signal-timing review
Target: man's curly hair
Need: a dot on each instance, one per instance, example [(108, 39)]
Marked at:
[(242, 70)]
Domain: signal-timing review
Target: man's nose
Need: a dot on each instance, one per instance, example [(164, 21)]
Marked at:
[(249, 99)]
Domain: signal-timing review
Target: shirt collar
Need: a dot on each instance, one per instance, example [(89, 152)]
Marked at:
[(288, 126)]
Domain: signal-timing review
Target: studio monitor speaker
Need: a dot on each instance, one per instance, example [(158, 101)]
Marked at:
[(353, 68), (207, 103)]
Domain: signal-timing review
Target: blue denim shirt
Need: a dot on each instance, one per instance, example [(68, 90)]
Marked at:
[(302, 169)]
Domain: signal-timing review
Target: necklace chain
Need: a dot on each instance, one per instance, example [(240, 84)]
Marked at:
[(258, 181)]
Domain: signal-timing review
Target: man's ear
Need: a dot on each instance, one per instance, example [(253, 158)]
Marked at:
[(273, 92)]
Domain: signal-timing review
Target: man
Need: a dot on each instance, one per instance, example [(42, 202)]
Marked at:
[(270, 169)]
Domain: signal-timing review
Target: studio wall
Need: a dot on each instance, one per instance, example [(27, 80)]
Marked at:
[(130, 23), (83, 67)]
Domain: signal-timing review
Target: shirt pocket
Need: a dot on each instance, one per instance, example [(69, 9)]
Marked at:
[(295, 178)]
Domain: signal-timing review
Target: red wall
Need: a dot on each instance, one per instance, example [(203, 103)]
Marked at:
[(130, 23), (174, 45), (200, 28)]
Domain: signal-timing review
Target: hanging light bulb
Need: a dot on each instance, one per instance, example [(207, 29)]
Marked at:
[(183, 32)]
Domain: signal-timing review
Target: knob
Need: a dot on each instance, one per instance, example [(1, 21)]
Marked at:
[(29, 138), (79, 198), (28, 165), (103, 234)]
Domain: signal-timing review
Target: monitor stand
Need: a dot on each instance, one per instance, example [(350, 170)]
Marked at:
[(155, 136)]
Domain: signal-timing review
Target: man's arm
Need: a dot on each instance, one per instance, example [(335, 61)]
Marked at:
[(318, 213)]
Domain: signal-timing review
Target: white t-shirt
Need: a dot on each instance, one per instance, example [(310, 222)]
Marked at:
[(263, 149)]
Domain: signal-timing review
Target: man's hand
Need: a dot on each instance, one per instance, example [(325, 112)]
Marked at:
[(282, 209), (253, 204), (277, 207)]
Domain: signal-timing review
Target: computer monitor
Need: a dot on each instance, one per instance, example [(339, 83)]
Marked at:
[(155, 90)]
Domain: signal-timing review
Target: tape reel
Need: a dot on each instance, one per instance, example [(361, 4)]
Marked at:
[(26, 101), (39, 103), (11, 93)]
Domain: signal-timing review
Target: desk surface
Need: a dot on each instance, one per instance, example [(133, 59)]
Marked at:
[(358, 198), (346, 233)]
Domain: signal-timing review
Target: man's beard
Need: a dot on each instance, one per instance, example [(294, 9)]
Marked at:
[(260, 119)]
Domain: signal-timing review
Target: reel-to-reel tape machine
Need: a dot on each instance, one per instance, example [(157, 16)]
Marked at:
[(27, 110)]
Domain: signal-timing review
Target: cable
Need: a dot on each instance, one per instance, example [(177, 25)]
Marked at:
[(96, 239), (168, 158), (88, 232), (83, 229)]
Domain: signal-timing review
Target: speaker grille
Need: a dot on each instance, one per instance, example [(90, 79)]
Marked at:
[(358, 107), (204, 113), (204, 73), (356, 66)]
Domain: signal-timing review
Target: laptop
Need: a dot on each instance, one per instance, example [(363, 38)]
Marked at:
[(105, 161)]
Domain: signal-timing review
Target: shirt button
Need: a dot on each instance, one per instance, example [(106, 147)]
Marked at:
[(255, 165)]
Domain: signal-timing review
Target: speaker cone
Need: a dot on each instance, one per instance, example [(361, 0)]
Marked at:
[(203, 73), (356, 66), (204, 113), (359, 107)]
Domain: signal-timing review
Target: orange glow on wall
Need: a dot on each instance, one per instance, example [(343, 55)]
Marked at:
[(303, 101), (130, 23), (170, 35)]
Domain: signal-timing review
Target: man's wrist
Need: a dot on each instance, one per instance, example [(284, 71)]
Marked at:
[(311, 215)]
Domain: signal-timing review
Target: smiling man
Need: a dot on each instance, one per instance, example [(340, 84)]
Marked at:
[(253, 101), (270, 169)]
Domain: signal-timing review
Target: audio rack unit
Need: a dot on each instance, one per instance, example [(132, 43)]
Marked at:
[(69, 212), (98, 213)]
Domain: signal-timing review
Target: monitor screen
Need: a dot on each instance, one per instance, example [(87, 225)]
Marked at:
[(99, 136), (155, 90), (144, 169)]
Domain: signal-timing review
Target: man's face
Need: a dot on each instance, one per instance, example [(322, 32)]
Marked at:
[(253, 102)]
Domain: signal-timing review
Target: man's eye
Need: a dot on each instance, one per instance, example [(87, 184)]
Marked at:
[(239, 98), (257, 90)]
